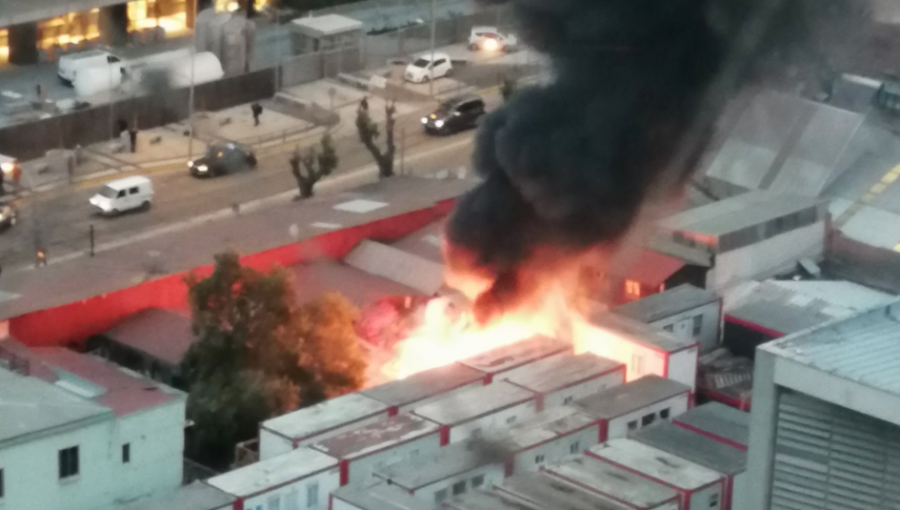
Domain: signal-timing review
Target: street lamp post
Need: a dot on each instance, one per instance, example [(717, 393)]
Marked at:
[(431, 80), (191, 92)]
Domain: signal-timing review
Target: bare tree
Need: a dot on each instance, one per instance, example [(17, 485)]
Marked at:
[(369, 133), (309, 168)]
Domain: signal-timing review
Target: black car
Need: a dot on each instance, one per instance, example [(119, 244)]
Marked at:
[(9, 215), (222, 159), (455, 115)]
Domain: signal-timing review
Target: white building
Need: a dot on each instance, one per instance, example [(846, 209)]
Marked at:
[(551, 493), (423, 387), (66, 434), (502, 360), (379, 496), (489, 500), (754, 235), (473, 413), (562, 379), (720, 422), (301, 478), (704, 451), (308, 425), (548, 437), (825, 422), (454, 470), (689, 313), (631, 406), (196, 496), (644, 349), (365, 450), (697, 486), (615, 483)]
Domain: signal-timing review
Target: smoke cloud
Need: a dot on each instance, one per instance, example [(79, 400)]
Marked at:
[(568, 165)]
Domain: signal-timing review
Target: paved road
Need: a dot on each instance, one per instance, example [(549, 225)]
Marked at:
[(61, 219)]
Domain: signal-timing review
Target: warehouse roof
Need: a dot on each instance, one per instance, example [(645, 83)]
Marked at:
[(739, 212), (329, 24), (666, 304), (553, 493), (424, 385), (559, 372), (474, 403), (196, 496), (452, 460), (517, 354), (161, 334), (320, 418), (655, 463), (693, 447), (546, 425), (621, 400), (376, 436), (719, 420), (32, 406), (598, 476), (380, 496), (258, 477)]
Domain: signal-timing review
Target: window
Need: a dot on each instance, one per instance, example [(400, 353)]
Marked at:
[(274, 503), (121, 194), (538, 459), (698, 325), (632, 289), (126, 453), (670, 328), (133, 191), (2, 491), (459, 488), (632, 425), (312, 495), (714, 500), (648, 419), (568, 400), (478, 481), (440, 495), (68, 462), (293, 500), (510, 420), (664, 414), (574, 447)]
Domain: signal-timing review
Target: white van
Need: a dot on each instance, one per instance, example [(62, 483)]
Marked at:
[(69, 65), (428, 67), (123, 195)]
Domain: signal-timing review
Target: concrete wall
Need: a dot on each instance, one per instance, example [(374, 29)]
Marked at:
[(360, 470), (712, 498), (494, 421), (683, 325), (299, 492), (761, 450), (740, 492), (554, 450), (156, 439), (618, 427), (581, 390), (272, 445), (683, 367), (639, 359)]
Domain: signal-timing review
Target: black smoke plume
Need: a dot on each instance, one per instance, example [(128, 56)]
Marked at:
[(570, 163)]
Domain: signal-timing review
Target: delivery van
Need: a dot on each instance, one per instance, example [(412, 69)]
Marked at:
[(123, 195)]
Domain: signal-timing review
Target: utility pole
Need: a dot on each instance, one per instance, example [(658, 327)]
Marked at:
[(431, 80), (277, 48), (191, 93)]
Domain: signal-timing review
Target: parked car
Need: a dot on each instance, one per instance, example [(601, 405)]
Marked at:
[(123, 195), (70, 65), (456, 114), (223, 159), (428, 67), (490, 39), (9, 215)]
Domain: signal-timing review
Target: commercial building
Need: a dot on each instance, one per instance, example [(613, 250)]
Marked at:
[(378, 496), (549, 437), (719, 422), (454, 470), (688, 312), (301, 478), (553, 493), (825, 424), (562, 379), (365, 450), (705, 451), (640, 403), (427, 386), (644, 349), (697, 486), (71, 423), (615, 483), (503, 360), (312, 424), (473, 413)]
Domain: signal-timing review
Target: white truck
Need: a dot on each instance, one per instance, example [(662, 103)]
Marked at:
[(73, 64), (175, 64)]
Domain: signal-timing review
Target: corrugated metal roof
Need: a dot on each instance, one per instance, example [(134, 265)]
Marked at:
[(693, 447), (375, 436), (626, 398), (553, 493), (861, 348), (260, 476), (558, 372), (517, 354), (742, 164), (161, 334), (397, 265), (381, 496), (330, 414), (655, 463), (423, 385), (450, 461), (196, 496), (596, 475), (666, 304), (474, 403), (719, 420)]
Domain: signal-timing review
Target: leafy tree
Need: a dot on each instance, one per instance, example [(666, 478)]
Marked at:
[(308, 169), (369, 133)]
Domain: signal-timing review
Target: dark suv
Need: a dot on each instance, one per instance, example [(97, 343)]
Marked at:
[(455, 115), (222, 159)]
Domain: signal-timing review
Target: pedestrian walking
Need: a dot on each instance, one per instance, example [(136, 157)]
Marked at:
[(41, 257), (257, 111), (70, 167), (364, 104)]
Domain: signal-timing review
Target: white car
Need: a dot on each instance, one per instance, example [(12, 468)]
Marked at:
[(490, 39), (123, 195), (428, 67)]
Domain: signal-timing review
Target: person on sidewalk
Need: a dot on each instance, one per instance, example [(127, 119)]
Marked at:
[(41, 258), (364, 104), (257, 111)]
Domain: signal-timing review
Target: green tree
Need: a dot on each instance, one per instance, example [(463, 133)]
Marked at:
[(369, 133), (310, 168)]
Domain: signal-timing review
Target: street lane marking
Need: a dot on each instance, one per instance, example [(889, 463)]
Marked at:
[(877, 189)]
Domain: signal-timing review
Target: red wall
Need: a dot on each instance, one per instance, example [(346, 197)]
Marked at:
[(75, 322)]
